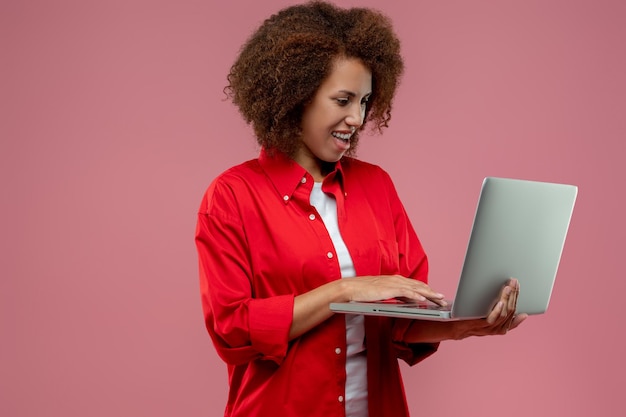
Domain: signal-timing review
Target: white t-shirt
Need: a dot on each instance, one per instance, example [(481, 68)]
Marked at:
[(356, 361)]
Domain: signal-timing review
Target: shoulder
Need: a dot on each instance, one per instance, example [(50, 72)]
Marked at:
[(224, 189), (246, 171), (238, 176)]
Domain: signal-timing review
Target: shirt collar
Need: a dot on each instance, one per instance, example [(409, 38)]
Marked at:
[(286, 174)]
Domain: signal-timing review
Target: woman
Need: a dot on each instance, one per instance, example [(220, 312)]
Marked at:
[(281, 237)]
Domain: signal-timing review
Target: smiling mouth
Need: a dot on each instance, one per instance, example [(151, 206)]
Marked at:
[(343, 136)]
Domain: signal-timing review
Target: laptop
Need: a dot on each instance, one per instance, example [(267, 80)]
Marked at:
[(519, 231)]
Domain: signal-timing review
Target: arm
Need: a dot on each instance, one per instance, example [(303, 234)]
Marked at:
[(311, 308), (243, 328)]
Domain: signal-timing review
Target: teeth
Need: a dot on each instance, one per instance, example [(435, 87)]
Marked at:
[(342, 136)]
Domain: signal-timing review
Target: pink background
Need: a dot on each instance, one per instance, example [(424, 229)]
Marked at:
[(113, 123)]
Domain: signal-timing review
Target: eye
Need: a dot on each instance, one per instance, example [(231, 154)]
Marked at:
[(343, 101)]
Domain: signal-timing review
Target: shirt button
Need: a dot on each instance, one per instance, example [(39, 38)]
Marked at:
[(303, 180), (312, 216), (286, 198), (337, 351), (330, 255), (340, 398)]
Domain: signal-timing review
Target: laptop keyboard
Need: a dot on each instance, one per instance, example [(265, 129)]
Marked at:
[(427, 306)]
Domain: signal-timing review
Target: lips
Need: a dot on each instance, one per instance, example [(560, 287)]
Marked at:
[(342, 139)]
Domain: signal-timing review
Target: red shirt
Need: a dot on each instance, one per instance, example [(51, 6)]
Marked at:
[(260, 243)]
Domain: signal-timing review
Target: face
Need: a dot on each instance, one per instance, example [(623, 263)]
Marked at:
[(335, 113)]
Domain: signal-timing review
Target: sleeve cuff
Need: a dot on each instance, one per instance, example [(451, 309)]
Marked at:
[(269, 321), (411, 353)]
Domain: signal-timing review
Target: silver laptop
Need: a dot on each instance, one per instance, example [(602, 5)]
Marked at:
[(519, 231)]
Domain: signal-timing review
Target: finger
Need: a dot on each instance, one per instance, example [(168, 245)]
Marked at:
[(495, 313), (435, 297), (428, 295), (426, 291), (514, 285), (413, 294), (509, 297), (505, 297), (439, 301), (411, 289)]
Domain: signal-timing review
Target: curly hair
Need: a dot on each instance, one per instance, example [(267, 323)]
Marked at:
[(283, 63)]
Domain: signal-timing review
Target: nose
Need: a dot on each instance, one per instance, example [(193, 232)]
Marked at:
[(355, 116)]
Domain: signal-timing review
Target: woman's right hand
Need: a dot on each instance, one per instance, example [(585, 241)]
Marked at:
[(312, 308), (385, 287)]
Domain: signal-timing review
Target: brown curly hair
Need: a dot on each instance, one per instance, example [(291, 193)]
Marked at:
[(284, 62)]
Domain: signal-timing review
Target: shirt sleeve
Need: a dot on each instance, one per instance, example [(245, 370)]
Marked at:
[(242, 328), (411, 353), (413, 263)]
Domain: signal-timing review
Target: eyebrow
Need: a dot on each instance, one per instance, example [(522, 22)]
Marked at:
[(352, 94)]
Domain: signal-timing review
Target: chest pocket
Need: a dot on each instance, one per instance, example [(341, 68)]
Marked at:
[(379, 258)]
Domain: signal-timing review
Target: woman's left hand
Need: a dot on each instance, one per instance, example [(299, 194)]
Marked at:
[(500, 320)]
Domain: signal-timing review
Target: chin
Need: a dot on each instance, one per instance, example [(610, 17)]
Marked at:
[(332, 159)]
